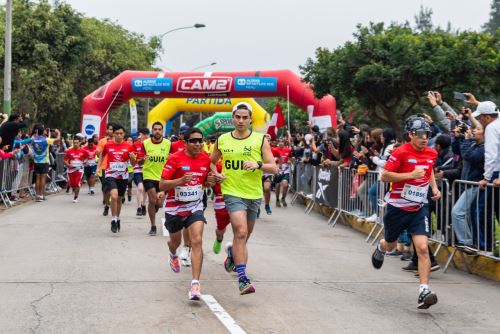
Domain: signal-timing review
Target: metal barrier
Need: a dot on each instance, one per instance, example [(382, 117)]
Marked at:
[(57, 173), (304, 175), (475, 218), (15, 176)]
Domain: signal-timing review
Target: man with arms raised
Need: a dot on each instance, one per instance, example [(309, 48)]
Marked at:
[(245, 156)]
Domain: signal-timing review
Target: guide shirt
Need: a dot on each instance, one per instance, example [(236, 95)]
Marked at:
[(186, 198), (410, 195)]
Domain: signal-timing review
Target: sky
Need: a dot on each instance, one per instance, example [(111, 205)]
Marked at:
[(265, 34)]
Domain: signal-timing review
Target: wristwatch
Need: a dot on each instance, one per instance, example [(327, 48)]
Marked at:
[(260, 164)]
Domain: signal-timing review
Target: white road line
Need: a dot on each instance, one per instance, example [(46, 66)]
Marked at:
[(223, 316)]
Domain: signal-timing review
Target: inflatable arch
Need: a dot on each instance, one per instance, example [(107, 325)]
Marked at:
[(169, 108), (141, 84)]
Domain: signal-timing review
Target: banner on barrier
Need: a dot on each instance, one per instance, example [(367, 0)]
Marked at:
[(326, 186)]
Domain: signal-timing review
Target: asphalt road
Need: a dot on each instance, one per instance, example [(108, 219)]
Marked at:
[(63, 271)]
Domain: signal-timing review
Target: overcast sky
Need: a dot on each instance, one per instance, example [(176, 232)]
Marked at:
[(266, 34)]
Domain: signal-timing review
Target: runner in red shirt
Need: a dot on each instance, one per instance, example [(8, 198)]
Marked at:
[(282, 178), (184, 175), (118, 153), (410, 169), (138, 179), (90, 168), (180, 145), (74, 159)]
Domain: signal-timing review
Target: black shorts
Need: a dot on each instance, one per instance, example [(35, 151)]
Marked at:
[(42, 168), (174, 224), (104, 186), (280, 177), (137, 178), (150, 184), (119, 184), (89, 171), (267, 178), (397, 220)]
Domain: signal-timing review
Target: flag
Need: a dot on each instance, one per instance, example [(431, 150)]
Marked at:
[(133, 117), (277, 121)]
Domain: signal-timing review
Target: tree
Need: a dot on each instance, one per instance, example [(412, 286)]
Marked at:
[(423, 19), (387, 70), (494, 23)]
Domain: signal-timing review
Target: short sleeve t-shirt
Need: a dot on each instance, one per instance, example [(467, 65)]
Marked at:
[(76, 158), (284, 154), (410, 195), (100, 149), (117, 156), (41, 149), (186, 198), (177, 146), (91, 155), (139, 152)]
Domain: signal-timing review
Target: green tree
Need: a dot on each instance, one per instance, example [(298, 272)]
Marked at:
[(494, 23), (387, 70)]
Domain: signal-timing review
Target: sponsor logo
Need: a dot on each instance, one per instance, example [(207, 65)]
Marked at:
[(412, 161), (89, 130), (152, 84), (203, 168), (324, 175), (430, 161), (186, 168), (215, 85), (225, 123), (321, 191), (256, 84), (227, 150)]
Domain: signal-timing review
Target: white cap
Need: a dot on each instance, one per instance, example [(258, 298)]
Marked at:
[(79, 134), (237, 105), (308, 138), (485, 108)]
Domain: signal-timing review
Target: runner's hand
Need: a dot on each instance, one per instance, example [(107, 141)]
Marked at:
[(250, 165), (132, 155), (418, 172), (436, 194), (211, 179), (187, 178), (219, 178), (160, 195)]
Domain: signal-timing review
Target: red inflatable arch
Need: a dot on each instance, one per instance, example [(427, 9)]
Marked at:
[(139, 84)]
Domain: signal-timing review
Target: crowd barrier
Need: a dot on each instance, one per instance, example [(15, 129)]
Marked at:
[(361, 195), (17, 175)]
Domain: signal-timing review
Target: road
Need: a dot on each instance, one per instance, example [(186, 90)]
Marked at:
[(63, 271)]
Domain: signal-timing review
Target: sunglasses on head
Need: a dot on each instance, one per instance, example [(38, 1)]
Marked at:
[(422, 134), (195, 140)]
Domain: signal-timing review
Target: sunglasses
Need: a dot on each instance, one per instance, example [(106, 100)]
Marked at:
[(422, 134), (195, 140)]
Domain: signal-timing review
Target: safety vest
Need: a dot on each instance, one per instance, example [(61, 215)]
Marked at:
[(239, 182), (158, 154)]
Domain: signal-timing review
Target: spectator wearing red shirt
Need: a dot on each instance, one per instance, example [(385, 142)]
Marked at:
[(74, 159)]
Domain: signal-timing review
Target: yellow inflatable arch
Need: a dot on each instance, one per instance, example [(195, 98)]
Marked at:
[(167, 108)]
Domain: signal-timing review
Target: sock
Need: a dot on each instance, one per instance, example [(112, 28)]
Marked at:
[(241, 270), (114, 218), (195, 281), (219, 241), (422, 287), (378, 247), (173, 256)]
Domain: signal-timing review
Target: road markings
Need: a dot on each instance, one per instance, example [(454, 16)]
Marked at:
[(222, 315)]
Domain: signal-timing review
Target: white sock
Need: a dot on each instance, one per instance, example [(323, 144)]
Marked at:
[(114, 218), (422, 287), (195, 281), (378, 247)]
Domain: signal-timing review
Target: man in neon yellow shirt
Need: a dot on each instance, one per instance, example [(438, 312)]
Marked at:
[(245, 156)]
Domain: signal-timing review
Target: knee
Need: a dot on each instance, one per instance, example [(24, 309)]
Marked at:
[(195, 241), (241, 234), (422, 250), (114, 195)]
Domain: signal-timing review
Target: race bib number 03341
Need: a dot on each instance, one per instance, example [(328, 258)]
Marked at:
[(188, 193)]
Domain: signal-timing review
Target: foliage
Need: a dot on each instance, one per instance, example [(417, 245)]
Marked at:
[(494, 23), (59, 56)]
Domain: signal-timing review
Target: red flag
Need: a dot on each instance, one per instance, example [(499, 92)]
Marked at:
[(280, 122), (277, 121)]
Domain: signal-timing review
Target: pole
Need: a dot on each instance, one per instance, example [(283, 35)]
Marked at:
[(288, 105), (7, 81)]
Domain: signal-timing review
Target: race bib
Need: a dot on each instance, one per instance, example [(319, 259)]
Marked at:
[(118, 166), (91, 163), (188, 193), (414, 193), (76, 163)]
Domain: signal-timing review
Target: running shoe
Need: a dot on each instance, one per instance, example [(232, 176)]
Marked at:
[(152, 232), (175, 264), (92, 191), (394, 253), (129, 198), (413, 267), (283, 202), (123, 200), (185, 256), (406, 256), (113, 226), (217, 246), (39, 199), (195, 292), (75, 200), (106, 211), (143, 209), (246, 287), (139, 212), (268, 209), (118, 225), (377, 258), (229, 262), (88, 192), (426, 299), (278, 204), (435, 266), (372, 218)]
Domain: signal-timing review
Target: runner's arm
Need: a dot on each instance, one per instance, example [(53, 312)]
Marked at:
[(398, 177), (214, 158), (171, 184), (268, 166)]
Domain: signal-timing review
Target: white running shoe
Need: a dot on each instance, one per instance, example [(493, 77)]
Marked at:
[(372, 218), (185, 256), (75, 200)]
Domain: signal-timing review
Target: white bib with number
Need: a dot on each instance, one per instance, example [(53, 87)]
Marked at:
[(415, 193), (118, 166), (76, 163), (188, 193)]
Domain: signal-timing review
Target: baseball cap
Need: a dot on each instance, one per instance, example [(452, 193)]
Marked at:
[(183, 128), (414, 123), (308, 138), (485, 108), (242, 105)]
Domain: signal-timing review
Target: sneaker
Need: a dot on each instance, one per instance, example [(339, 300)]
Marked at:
[(123, 200), (246, 287), (92, 191), (194, 292), (406, 256), (106, 211), (435, 266), (426, 299), (372, 218), (39, 199), (175, 264), (268, 209), (217, 246), (283, 202), (185, 256), (377, 258), (129, 198), (118, 225), (75, 200), (394, 253), (413, 267), (113, 226), (229, 262), (152, 232), (88, 193), (139, 212), (143, 210), (278, 204)]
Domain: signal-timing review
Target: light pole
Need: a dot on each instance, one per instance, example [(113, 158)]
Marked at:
[(202, 66), (7, 81)]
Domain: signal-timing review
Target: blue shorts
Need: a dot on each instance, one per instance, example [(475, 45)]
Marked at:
[(89, 171), (137, 178), (251, 206), (397, 220)]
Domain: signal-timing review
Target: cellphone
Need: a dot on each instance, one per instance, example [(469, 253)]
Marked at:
[(459, 96)]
